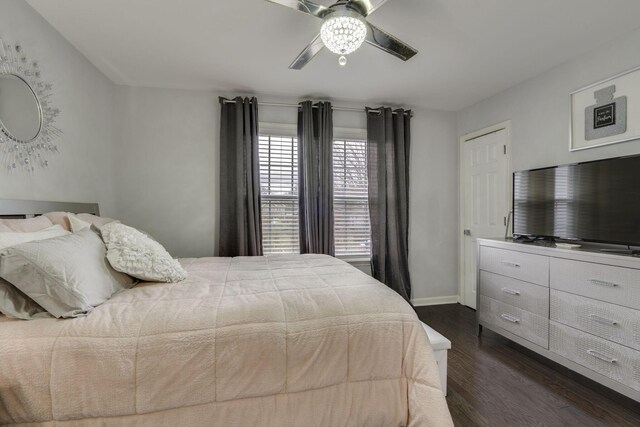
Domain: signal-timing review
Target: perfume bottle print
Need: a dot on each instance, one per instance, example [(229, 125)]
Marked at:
[(607, 117)]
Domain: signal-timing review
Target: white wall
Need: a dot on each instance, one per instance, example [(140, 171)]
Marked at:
[(167, 176), (166, 163), (539, 108), (433, 210), (83, 171)]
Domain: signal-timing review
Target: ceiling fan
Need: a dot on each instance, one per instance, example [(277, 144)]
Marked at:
[(344, 29)]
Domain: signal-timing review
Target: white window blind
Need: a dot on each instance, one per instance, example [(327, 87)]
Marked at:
[(279, 194), (351, 209)]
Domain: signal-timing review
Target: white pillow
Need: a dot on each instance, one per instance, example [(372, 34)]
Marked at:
[(77, 224), (8, 239), (67, 276), (132, 252), (13, 302)]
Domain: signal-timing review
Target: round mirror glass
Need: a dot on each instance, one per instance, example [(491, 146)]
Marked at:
[(19, 108)]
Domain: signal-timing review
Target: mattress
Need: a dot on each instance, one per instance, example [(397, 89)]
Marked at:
[(292, 340)]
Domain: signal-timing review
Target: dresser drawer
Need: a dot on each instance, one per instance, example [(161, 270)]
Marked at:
[(523, 295), (519, 322), (612, 360), (612, 322), (617, 285), (519, 265)]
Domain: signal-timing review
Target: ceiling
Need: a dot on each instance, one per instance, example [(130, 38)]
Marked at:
[(468, 49)]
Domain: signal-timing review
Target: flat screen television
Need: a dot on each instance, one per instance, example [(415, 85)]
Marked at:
[(595, 201)]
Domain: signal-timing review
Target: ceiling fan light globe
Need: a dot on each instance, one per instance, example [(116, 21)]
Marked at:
[(343, 34)]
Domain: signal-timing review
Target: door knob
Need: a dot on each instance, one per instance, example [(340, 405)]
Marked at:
[(467, 232)]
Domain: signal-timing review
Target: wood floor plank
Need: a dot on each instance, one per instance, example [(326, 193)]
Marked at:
[(495, 382)]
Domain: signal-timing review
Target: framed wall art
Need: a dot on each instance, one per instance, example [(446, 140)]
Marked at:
[(607, 112)]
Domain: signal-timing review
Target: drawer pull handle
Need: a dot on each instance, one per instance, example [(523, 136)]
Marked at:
[(510, 291), (603, 283), (602, 320), (601, 356), (510, 318), (511, 264)]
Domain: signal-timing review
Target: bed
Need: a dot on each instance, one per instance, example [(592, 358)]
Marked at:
[(291, 340)]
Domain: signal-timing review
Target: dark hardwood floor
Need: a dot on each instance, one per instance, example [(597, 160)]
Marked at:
[(495, 382)]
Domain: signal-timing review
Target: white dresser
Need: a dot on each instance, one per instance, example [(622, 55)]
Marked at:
[(578, 307)]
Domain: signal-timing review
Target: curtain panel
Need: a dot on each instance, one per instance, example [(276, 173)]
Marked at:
[(240, 216), (315, 177), (388, 144)]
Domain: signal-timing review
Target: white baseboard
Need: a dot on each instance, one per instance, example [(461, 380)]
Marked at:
[(419, 302)]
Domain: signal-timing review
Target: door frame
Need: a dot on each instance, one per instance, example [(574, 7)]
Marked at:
[(506, 125)]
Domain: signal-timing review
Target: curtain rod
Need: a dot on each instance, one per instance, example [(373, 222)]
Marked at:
[(276, 104)]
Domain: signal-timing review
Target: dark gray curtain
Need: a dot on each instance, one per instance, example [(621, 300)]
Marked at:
[(240, 218), (388, 142), (315, 178)]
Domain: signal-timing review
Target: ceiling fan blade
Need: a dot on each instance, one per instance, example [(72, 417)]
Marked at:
[(305, 6), (385, 41), (307, 54), (367, 7)]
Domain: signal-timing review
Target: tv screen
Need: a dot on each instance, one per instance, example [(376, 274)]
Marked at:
[(594, 201)]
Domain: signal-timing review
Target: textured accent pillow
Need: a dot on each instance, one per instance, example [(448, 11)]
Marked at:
[(134, 253), (67, 276), (14, 303), (16, 238), (25, 225)]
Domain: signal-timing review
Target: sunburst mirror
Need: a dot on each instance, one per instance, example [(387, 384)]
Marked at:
[(27, 117)]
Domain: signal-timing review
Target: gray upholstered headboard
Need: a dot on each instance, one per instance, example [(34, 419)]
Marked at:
[(31, 208)]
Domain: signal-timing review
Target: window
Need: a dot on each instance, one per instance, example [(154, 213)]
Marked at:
[(351, 208), (279, 193)]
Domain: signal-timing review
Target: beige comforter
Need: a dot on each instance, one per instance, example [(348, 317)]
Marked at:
[(303, 340)]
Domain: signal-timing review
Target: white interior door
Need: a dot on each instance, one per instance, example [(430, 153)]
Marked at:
[(485, 199)]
